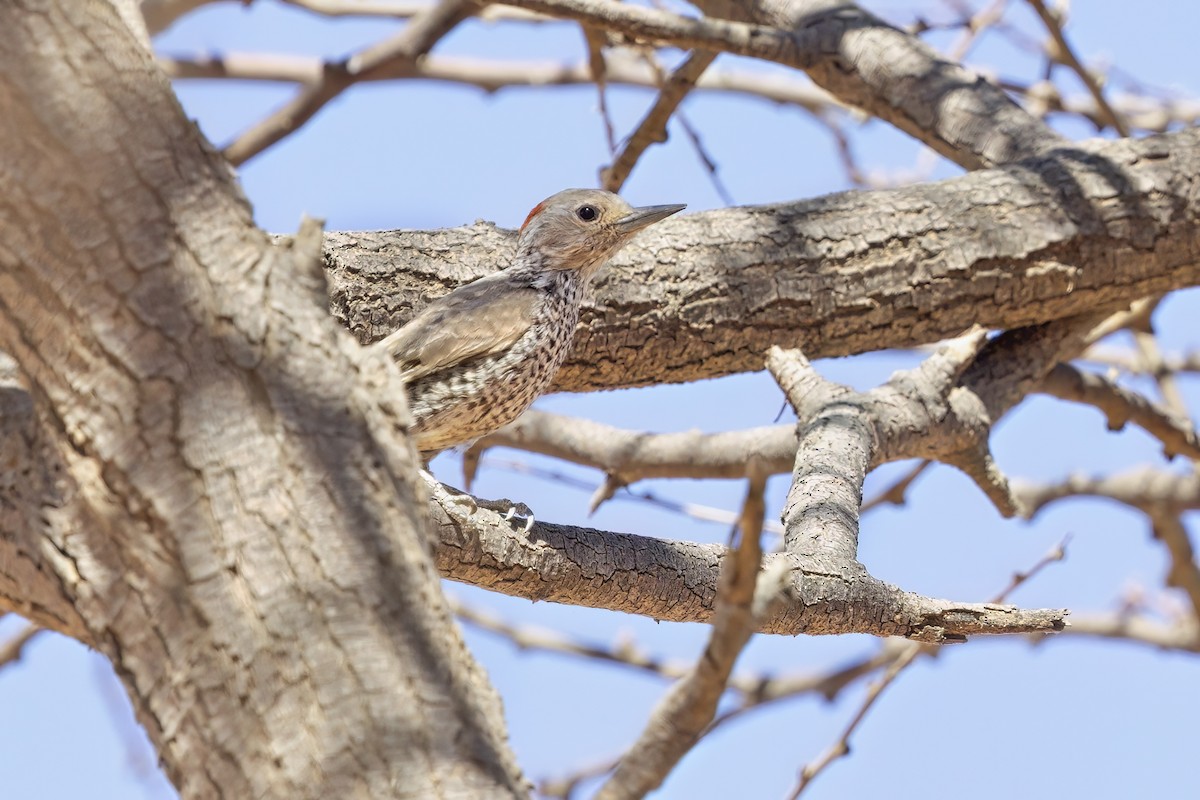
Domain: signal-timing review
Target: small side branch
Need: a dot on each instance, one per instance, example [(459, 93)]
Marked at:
[(419, 36), (1063, 53), (11, 650), (679, 720), (653, 127), (1121, 406)]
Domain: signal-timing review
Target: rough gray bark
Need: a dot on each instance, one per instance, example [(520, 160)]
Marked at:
[(677, 580), (1075, 231), (865, 62), (216, 498), (205, 483)]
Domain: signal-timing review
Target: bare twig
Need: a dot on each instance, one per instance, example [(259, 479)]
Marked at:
[(974, 25), (622, 68), (710, 166), (1183, 573), (903, 655), (680, 718), (653, 127), (696, 511), (1055, 555), (11, 650), (595, 40), (418, 37), (161, 14), (1151, 355), (842, 746), (1063, 53), (1134, 364), (896, 493)]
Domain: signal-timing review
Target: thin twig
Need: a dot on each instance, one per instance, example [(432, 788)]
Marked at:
[(418, 37), (905, 654), (11, 650), (1055, 555), (681, 717), (1065, 55), (896, 493), (595, 40), (653, 127), (842, 746), (710, 165), (696, 511)]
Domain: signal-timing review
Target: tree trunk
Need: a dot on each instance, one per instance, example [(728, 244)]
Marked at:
[(224, 506)]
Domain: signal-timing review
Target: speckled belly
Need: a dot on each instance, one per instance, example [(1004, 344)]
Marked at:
[(458, 406)]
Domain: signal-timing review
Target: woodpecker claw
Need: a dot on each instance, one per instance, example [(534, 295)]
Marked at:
[(511, 511), (519, 510)]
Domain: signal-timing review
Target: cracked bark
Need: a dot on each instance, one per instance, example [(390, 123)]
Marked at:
[(197, 420), (1076, 231), (136, 508), (677, 580)]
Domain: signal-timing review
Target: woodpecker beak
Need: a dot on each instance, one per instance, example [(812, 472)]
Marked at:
[(646, 215)]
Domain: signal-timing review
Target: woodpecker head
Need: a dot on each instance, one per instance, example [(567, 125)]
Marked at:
[(581, 229)]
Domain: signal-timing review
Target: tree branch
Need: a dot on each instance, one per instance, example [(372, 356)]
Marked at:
[(1121, 406), (1050, 238), (1066, 55), (677, 580), (419, 36), (836, 43), (744, 595), (653, 127)]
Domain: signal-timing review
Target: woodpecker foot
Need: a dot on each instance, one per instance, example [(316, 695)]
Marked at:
[(511, 510), (525, 511)]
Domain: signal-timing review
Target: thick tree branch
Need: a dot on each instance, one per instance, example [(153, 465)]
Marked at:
[(677, 581), (1074, 232), (839, 433)]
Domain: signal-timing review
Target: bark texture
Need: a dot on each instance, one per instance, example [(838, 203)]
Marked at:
[(205, 478), (1077, 230), (224, 506)]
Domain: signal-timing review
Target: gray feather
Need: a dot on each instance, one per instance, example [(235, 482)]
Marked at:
[(465, 324)]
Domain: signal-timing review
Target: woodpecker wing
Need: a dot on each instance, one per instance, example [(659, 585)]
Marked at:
[(482, 318)]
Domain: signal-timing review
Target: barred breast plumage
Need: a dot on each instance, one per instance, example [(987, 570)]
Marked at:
[(477, 358)]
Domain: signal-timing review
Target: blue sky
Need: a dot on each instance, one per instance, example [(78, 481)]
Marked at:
[(986, 720)]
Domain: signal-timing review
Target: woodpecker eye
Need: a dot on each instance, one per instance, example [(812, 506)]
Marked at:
[(587, 213)]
